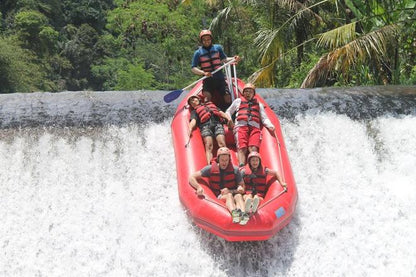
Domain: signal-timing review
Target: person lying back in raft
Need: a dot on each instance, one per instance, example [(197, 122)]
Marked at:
[(208, 118), (226, 182), (249, 120), (254, 176)]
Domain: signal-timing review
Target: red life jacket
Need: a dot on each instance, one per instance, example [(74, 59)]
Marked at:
[(209, 60), (256, 182), (249, 110), (206, 110), (217, 183)]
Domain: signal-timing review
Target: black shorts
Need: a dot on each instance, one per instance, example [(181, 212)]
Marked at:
[(212, 129), (215, 85)]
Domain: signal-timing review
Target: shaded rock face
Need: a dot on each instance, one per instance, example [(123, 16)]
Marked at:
[(80, 109)]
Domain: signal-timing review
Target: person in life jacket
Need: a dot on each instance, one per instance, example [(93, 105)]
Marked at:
[(209, 119), (226, 182), (249, 120), (256, 182), (207, 58)]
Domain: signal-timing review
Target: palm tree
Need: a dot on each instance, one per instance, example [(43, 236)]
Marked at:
[(366, 38), (287, 24), (370, 40), (371, 48)]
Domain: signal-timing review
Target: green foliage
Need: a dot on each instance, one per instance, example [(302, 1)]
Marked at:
[(35, 33), (160, 34), (121, 74), (296, 77), (81, 50), (92, 12), (17, 71), (147, 44), (29, 24), (48, 38), (134, 77)]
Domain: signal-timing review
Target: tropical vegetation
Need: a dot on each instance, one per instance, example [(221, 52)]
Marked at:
[(54, 45)]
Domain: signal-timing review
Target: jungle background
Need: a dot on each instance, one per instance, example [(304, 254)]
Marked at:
[(54, 45)]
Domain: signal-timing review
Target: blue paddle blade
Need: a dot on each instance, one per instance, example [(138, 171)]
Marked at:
[(172, 95)]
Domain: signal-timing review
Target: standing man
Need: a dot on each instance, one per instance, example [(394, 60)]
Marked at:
[(208, 58)]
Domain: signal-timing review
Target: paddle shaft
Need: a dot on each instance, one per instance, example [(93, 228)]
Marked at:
[(189, 140), (176, 93), (212, 73)]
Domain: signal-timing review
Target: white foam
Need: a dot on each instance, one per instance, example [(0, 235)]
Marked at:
[(105, 202)]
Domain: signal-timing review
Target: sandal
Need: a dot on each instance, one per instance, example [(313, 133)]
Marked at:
[(244, 219), (235, 214), (247, 205)]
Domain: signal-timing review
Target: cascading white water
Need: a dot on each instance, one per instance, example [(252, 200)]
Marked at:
[(103, 201)]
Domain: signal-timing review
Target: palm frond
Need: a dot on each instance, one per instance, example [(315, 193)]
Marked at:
[(337, 37), (302, 11), (268, 43), (377, 42), (264, 76), (222, 16), (318, 73), (373, 46), (211, 3)]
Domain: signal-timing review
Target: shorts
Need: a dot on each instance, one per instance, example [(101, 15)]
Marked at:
[(253, 193), (246, 136), (215, 85), (212, 129)]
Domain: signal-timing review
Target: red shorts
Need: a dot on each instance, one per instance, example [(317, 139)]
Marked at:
[(247, 136)]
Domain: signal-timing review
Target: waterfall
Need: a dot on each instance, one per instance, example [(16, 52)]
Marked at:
[(88, 188)]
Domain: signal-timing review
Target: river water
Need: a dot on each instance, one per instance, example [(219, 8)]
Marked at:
[(88, 188)]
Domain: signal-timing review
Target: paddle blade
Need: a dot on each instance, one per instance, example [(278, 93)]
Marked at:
[(172, 95)]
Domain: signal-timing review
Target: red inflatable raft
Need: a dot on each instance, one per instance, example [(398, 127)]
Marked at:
[(211, 214)]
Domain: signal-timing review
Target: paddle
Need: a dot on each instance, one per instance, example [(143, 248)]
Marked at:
[(176, 93)]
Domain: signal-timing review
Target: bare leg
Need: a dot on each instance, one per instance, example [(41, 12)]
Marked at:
[(253, 148), (221, 140), (208, 148), (239, 201), (242, 155), (207, 95), (229, 202)]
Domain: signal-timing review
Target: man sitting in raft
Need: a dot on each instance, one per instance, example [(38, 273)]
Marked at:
[(225, 181)]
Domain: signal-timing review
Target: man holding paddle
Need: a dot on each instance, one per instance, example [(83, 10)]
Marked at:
[(207, 59)]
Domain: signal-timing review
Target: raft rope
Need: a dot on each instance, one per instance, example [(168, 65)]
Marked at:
[(280, 156), (212, 201), (283, 174)]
